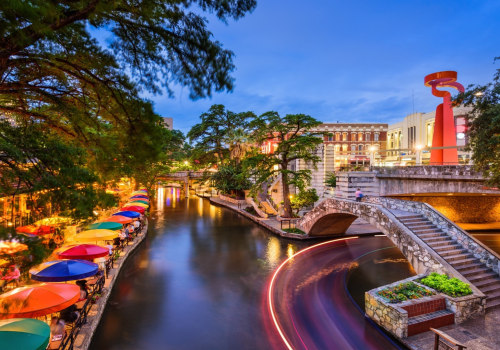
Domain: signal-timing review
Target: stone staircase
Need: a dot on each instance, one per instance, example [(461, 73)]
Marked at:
[(484, 278)]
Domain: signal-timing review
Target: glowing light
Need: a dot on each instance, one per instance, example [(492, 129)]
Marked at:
[(273, 252), (276, 167), (12, 247), (372, 148), (186, 162), (290, 251), (460, 136), (479, 94), (271, 285), (419, 147)]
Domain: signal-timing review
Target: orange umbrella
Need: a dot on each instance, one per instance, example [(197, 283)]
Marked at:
[(38, 300), (12, 247), (120, 219)]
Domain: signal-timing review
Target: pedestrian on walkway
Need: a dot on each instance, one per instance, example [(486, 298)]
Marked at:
[(358, 195)]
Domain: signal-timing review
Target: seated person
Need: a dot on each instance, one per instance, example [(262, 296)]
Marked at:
[(111, 247), (83, 289), (70, 314), (12, 275), (57, 329), (137, 226)]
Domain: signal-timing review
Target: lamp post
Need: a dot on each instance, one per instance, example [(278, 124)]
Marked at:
[(418, 151), (372, 150)]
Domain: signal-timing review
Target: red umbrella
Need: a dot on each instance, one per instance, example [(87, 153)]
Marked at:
[(36, 230), (134, 208), (83, 251)]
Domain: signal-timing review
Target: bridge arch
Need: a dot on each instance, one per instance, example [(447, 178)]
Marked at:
[(334, 223)]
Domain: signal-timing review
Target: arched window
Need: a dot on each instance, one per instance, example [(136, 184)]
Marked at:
[(337, 148), (353, 136), (344, 147), (360, 136), (344, 136), (353, 148), (360, 147), (337, 136)]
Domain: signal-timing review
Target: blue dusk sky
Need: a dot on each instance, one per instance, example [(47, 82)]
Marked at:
[(348, 61)]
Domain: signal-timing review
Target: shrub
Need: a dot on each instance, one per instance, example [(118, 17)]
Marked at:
[(251, 210), (403, 292), (294, 230), (450, 286)]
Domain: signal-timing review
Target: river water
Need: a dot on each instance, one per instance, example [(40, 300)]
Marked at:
[(198, 280)]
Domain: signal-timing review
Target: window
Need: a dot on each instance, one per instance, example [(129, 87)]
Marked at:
[(337, 148), (344, 147), (376, 137), (360, 136), (353, 136), (337, 136), (367, 136), (353, 149), (344, 136), (360, 148), (330, 137)]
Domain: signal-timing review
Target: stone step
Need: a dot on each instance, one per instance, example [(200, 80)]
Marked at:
[(486, 282), (454, 252), (421, 226), (492, 304), (463, 268), (493, 295), (481, 277), (407, 220), (437, 239), (423, 323), (477, 270), (410, 217), (440, 247), (465, 261), (459, 257), (491, 288), (430, 233)]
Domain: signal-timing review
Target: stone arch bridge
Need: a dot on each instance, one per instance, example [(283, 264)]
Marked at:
[(429, 241)]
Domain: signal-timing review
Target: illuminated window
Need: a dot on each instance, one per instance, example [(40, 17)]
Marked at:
[(344, 136), (428, 134), (344, 147), (337, 148), (360, 136), (337, 136), (353, 136)]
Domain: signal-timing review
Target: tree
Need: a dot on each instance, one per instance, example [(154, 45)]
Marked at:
[(294, 141), (484, 127), (305, 198), (230, 179), (331, 180), (221, 135)]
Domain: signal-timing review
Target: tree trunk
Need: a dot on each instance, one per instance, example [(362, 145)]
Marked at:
[(287, 207)]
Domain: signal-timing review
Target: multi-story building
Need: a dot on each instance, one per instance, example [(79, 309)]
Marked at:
[(346, 145), (168, 123), (409, 140)]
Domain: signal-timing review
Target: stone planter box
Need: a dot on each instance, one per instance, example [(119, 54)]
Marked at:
[(393, 317)]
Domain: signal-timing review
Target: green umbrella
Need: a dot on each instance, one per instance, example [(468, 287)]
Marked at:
[(24, 333), (139, 201), (106, 225)]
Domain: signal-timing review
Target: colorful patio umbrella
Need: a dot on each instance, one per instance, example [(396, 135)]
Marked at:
[(119, 219), (139, 201), (12, 247), (137, 204), (82, 251), (24, 333), (36, 230), (140, 196), (130, 214), (55, 220), (96, 235), (134, 208), (38, 300), (105, 226), (63, 270)]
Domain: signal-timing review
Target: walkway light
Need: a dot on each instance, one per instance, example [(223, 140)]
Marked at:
[(419, 147)]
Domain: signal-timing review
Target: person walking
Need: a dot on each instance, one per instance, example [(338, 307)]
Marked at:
[(358, 195)]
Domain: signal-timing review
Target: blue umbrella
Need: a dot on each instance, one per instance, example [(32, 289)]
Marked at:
[(127, 213), (64, 270), (139, 196)]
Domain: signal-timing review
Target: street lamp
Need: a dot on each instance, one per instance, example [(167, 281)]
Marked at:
[(372, 150), (418, 149)]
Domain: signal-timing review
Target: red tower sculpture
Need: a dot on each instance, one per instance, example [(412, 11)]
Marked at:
[(444, 125)]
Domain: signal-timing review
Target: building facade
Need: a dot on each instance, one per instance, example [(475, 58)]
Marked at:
[(346, 146), (409, 141)]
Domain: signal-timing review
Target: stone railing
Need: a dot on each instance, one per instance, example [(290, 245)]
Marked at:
[(463, 172), (259, 212), (232, 200), (481, 252)]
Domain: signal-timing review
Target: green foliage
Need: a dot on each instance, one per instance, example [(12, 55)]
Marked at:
[(450, 286), (331, 180), (403, 292), (230, 179), (221, 136), (484, 127), (304, 199), (294, 230), (251, 210), (294, 141)]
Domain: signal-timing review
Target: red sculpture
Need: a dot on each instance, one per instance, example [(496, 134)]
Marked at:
[(444, 124)]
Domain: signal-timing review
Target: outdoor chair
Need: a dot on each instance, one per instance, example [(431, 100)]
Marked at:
[(55, 344)]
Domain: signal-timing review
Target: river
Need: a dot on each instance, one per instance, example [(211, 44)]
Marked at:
[(199, 280)]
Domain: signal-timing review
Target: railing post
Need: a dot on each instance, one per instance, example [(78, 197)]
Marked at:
[(436, 341)]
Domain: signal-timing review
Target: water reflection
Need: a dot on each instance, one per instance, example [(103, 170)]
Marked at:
[(197, 282)]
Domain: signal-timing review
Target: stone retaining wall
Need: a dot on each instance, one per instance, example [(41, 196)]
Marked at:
[(232, 200)]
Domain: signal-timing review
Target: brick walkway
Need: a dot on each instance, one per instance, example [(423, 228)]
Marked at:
[(480, 333)]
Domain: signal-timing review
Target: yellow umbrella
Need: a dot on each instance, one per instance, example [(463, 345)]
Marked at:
[(96, 235), (138, 204)]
